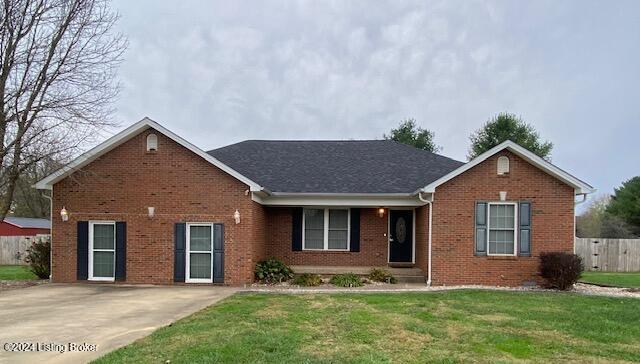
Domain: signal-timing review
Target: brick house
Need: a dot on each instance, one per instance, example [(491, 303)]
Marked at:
[(147, 206)]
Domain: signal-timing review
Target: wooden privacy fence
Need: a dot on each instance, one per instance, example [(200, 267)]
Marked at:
[(13, 249), (609, 255)]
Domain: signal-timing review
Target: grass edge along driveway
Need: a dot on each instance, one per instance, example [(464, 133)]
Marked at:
[(453, 326)]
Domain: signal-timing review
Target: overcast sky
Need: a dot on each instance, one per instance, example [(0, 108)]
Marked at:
[(221, 72)]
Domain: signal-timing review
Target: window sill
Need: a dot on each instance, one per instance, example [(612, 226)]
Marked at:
[(325, 251), (502, 257)]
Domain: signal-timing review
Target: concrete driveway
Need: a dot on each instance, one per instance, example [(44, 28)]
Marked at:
[(106, 316)]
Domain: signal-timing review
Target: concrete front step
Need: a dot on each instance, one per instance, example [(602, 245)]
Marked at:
[(403, 275)]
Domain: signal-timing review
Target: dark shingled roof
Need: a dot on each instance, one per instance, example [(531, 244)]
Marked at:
[(360, 166)]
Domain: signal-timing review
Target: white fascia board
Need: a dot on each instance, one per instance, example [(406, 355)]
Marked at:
[(579, 186), (328, 194), (351, 200), (123, 136)]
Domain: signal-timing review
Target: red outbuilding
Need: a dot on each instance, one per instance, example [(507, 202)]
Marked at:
[(24, 226)]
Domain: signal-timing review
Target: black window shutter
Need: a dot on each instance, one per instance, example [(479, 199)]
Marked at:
[(82, 251), (481, 228), (524, 234), (179, 249), (121, 251), (218, 253), (354, 238), (296, 229)]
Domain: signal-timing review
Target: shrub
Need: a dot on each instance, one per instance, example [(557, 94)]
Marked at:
[(560, 270), (38, 257), (381, 275), (307, 280), (272, 271), (346, 280)]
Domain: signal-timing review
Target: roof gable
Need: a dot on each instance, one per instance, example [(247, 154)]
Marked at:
[(125, 135), (580, 187)]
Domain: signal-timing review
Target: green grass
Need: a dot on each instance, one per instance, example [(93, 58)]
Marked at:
[(16, 273), (444, 327), (629, 280)]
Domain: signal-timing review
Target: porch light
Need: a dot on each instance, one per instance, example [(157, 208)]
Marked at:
[(236, 216), (503, 195), (381, 212), (64, 215), (151, 211)]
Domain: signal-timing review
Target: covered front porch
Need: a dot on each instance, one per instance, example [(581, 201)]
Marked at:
[(328, 240)]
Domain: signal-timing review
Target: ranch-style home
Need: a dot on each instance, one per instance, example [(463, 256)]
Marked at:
[(147, 206)]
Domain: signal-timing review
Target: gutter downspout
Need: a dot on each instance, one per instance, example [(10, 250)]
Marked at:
[(50, 198), (428, 202), (576, 203)]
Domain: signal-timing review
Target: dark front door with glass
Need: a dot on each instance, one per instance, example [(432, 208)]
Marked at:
[(400, 236)]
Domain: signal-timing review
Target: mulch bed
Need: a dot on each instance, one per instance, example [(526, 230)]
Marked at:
[(7, 285)]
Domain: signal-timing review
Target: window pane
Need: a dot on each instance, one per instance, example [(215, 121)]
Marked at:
[(509, 216), (103, 264), (200, 238), (103, 236), (502, 216), (338, 219), (338, 229), (314, 239), (338, 239), (314, 229), (314, 218), (501, 241), (200, 265)]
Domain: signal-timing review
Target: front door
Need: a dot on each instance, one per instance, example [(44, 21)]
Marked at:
[(400, 236)]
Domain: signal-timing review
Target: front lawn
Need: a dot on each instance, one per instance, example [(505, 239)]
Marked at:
[(454, 326), (16, 273), (629, 280)]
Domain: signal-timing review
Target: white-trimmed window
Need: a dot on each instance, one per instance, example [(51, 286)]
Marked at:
[(325, 229), (199, 264), (102, 250), (501, 229)]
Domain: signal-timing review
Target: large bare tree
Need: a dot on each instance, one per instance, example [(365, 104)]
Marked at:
[(58, 60)]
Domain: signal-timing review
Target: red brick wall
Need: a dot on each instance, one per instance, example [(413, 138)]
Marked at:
[(182, 187), (453, 223), (422, 238), (373, 241)]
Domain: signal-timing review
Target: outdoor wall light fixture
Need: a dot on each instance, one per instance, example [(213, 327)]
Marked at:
[(151, 211), (381, 212), (503, 195), (64, 215), (236, 216)]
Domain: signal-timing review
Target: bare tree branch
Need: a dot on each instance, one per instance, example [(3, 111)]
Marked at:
[(58, 62)]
